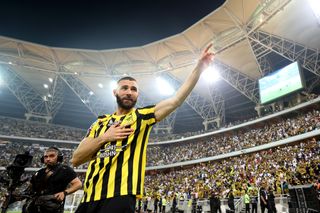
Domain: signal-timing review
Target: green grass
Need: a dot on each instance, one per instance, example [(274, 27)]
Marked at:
[(275, 92), (20, 212)]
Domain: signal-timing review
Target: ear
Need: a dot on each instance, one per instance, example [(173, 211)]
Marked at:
[(114, 92)]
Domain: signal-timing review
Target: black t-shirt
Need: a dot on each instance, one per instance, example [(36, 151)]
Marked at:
[(263, 194), (61, 176)]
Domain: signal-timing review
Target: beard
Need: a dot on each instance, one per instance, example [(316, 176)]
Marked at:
[(126, 106), (52, 166)]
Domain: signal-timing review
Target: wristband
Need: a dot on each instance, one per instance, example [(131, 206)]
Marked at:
[(65, 193)]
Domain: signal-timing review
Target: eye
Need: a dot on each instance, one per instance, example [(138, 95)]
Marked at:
[(124, 87)]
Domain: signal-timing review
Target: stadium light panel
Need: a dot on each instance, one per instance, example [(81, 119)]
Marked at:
[(211, 74), (164, 87), (113, 85), (315, 6), (100, 85)]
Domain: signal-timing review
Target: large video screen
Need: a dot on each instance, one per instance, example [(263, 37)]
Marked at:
[(280, 83)]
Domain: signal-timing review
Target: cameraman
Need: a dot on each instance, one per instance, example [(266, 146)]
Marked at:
[(50, 185)]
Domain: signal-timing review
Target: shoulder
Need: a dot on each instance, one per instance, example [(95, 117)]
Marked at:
[(66, 167), (100, 119), (103, 117), (146, 110), (66, 170), (149, 107), (39, 172)]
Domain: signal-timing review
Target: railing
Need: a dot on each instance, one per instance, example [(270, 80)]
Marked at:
[(239, 205), (73, 200)]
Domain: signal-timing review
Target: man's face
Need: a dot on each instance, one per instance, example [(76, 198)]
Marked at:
[(50, 158), (126, 94)]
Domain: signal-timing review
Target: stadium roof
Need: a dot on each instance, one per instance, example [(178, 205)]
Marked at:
[(98, 24), (250, 38)]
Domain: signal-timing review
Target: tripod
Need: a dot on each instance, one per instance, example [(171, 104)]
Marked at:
[(9, 197)]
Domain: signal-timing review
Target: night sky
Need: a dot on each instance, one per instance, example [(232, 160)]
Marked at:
[(99, 24)]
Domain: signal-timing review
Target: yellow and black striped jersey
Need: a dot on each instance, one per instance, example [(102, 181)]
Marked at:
[(119, 166)]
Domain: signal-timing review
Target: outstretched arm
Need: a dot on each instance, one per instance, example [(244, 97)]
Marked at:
[(165, 107)]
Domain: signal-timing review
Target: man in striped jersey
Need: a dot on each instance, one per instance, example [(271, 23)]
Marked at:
[(116, 146)]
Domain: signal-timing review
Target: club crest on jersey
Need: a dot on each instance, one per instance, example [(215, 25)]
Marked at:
[(111, 122), (128, 120)]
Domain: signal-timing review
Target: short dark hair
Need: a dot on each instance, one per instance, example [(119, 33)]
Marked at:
[(126, 78), (53, 149)]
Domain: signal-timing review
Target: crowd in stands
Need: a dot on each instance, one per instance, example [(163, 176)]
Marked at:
[(34, 129), (167, 137), (279, 167), (295, 164), (233, 140), (208, 146)]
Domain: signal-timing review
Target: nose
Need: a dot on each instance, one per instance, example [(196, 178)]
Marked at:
[(128, 92)]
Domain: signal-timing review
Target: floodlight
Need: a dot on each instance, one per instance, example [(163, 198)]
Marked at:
[(211, 74), (91, 93), (100, 85), (45, 86), (113, 84), (315, 6), (85, 101), (51, 80), (164, 87)]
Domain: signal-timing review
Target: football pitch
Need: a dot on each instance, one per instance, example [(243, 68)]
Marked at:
[(277, 91), (20, 211)]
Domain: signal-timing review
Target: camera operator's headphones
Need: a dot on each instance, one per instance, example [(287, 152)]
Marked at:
[(60, 156)]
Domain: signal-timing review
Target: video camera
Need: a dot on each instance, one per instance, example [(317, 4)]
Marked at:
[(14, 171)]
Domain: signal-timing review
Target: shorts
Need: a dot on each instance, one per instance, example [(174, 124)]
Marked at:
[(120, 204)]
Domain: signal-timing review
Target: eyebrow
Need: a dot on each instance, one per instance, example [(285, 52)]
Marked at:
[(127, 86)]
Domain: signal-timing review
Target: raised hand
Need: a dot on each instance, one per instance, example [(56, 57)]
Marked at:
[(206, 58)]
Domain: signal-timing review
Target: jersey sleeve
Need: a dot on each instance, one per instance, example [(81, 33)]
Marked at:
[(93, 128), (91, 131), (147, 114)]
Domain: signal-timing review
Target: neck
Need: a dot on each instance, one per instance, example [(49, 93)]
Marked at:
[(121, 111)]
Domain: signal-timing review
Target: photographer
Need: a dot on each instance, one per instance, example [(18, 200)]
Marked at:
[(50, 185)]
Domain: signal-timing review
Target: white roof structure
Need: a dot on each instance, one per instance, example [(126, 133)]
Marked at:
[(243, 32)]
